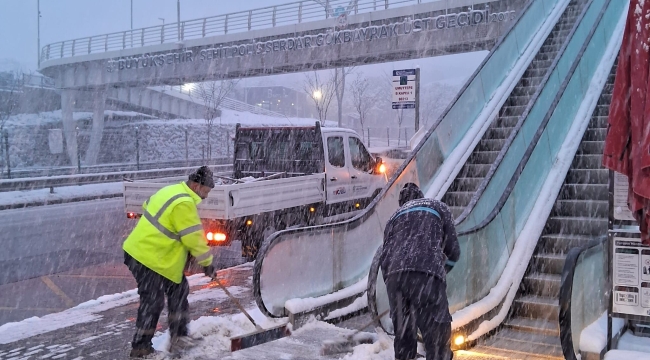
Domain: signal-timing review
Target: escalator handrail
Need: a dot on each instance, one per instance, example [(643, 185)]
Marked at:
[(368, 211), (566, 289), (520, 123), (540, 131)]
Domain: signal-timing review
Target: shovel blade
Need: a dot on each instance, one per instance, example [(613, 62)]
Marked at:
[(259, 337)]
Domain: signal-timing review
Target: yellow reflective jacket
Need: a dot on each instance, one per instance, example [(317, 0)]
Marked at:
[(170, 227)]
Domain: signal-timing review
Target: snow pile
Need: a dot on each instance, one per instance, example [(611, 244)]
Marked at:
[(629, 342), (297, 306), (593, 338), (217, 331), (60, 194), (626, 355), (359, 303)]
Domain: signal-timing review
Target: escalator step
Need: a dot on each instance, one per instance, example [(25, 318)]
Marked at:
[(465, 184), (456, 198), (544, 285), (590, 208), (584, 192), (498, 133), (483, 157), (602, 110), (576, 225), (512, 110), (523, 91), (595, 134), (587, 176), (506, 121), (562, 243), (587, 161), (598, 122), (547, 264), (490, 144), (474, 170), (524, 348), (545, 327), (516, 100), (591, 147), (537, 307)]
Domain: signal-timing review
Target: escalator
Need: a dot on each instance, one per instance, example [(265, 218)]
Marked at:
[(478, 165), (580, 213)]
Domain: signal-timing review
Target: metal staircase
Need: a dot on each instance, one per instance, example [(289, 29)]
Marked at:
[(478, 164), (579, 215)]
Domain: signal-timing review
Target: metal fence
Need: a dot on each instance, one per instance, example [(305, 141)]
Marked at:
[(242, 21)]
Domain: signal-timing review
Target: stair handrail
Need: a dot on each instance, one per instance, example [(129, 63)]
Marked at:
[(540, 130), (520, 122), (566, 291), (368, 211)]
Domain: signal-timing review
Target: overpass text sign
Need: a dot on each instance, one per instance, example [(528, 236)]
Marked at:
[(363, 34)]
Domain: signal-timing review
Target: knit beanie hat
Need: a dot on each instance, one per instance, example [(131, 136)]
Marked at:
[(203, 176), (409, 192)]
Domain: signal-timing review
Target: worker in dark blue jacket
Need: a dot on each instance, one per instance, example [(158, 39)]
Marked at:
[(420, 247)]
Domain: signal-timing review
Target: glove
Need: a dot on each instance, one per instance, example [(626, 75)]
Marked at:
[(209, 271)]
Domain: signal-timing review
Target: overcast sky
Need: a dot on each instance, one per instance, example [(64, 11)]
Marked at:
[(69, 19)]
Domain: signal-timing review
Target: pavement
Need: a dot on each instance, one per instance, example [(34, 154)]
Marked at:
[(55, 257)]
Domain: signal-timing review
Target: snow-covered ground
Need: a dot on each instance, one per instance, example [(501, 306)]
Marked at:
[(61, 194)]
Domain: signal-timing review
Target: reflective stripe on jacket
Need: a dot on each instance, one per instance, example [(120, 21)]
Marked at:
[(170, 227)]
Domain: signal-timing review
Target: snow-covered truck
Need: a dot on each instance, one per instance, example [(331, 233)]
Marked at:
[(282, 177)]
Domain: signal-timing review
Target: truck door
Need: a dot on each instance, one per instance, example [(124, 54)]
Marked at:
[(362, 182), (337, 174)]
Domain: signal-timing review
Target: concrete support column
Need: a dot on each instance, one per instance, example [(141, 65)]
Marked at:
[(99, 105), (68, 99)]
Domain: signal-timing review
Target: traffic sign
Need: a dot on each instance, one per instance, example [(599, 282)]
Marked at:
[(404, 89)]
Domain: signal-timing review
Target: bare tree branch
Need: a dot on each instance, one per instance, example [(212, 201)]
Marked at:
[(339, 86), (321, 92), (211, 94), (363, 99)]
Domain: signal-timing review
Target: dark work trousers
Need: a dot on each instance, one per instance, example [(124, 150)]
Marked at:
[(419, 301), (152, 288)]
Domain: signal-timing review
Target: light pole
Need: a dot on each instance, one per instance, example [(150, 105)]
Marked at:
[(131, 23), (178, 18), (38, 30)]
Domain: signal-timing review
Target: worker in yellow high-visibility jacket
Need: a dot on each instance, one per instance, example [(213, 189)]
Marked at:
[(156, 252)]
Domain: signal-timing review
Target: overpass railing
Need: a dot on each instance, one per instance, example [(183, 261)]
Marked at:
[(242, 21)]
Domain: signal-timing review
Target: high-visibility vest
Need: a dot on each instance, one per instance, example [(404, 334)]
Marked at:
[(157, 241)]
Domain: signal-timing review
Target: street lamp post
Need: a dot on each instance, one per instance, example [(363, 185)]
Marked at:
[(131, 23), (38, 30), (178, 18), (163, 20)]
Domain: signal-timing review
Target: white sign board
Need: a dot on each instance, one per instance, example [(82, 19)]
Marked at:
[(404, 83), (55, 140), (621, 209), (631, 276)]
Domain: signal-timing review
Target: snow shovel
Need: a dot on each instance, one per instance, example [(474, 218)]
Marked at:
[(260, 335), (331, 347)]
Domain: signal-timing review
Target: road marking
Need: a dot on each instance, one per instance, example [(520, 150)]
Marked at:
[(5, 308), (97, 276), (57, 290)]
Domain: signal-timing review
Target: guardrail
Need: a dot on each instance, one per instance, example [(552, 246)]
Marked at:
[(104, 168), (87, 179), (242, 21)]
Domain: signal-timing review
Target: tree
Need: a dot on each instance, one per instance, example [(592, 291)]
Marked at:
[(339, 87), (434, 100), (211, 94), (10, 85), (363, 99), (321, 91)]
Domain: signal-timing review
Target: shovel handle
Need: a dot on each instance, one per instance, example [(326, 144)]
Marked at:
[(214, 277)]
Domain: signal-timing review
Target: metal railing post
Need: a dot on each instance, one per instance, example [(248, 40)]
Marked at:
[(182, 35), (124, 40), (90, 39), (162, 34), (142, 38), (106, 43), (203, 29), (225, 25), (62, 46), (250, 17), (374, 4), (356, 7), (137, 148), (368, 137), (386, 4), (300, 12), (47, 52), (6, 143), (78, 153), (327, 9), (273, 18), (73, 43), (387, 137)]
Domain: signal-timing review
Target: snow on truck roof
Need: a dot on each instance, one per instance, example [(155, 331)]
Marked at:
[(324, 129)]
